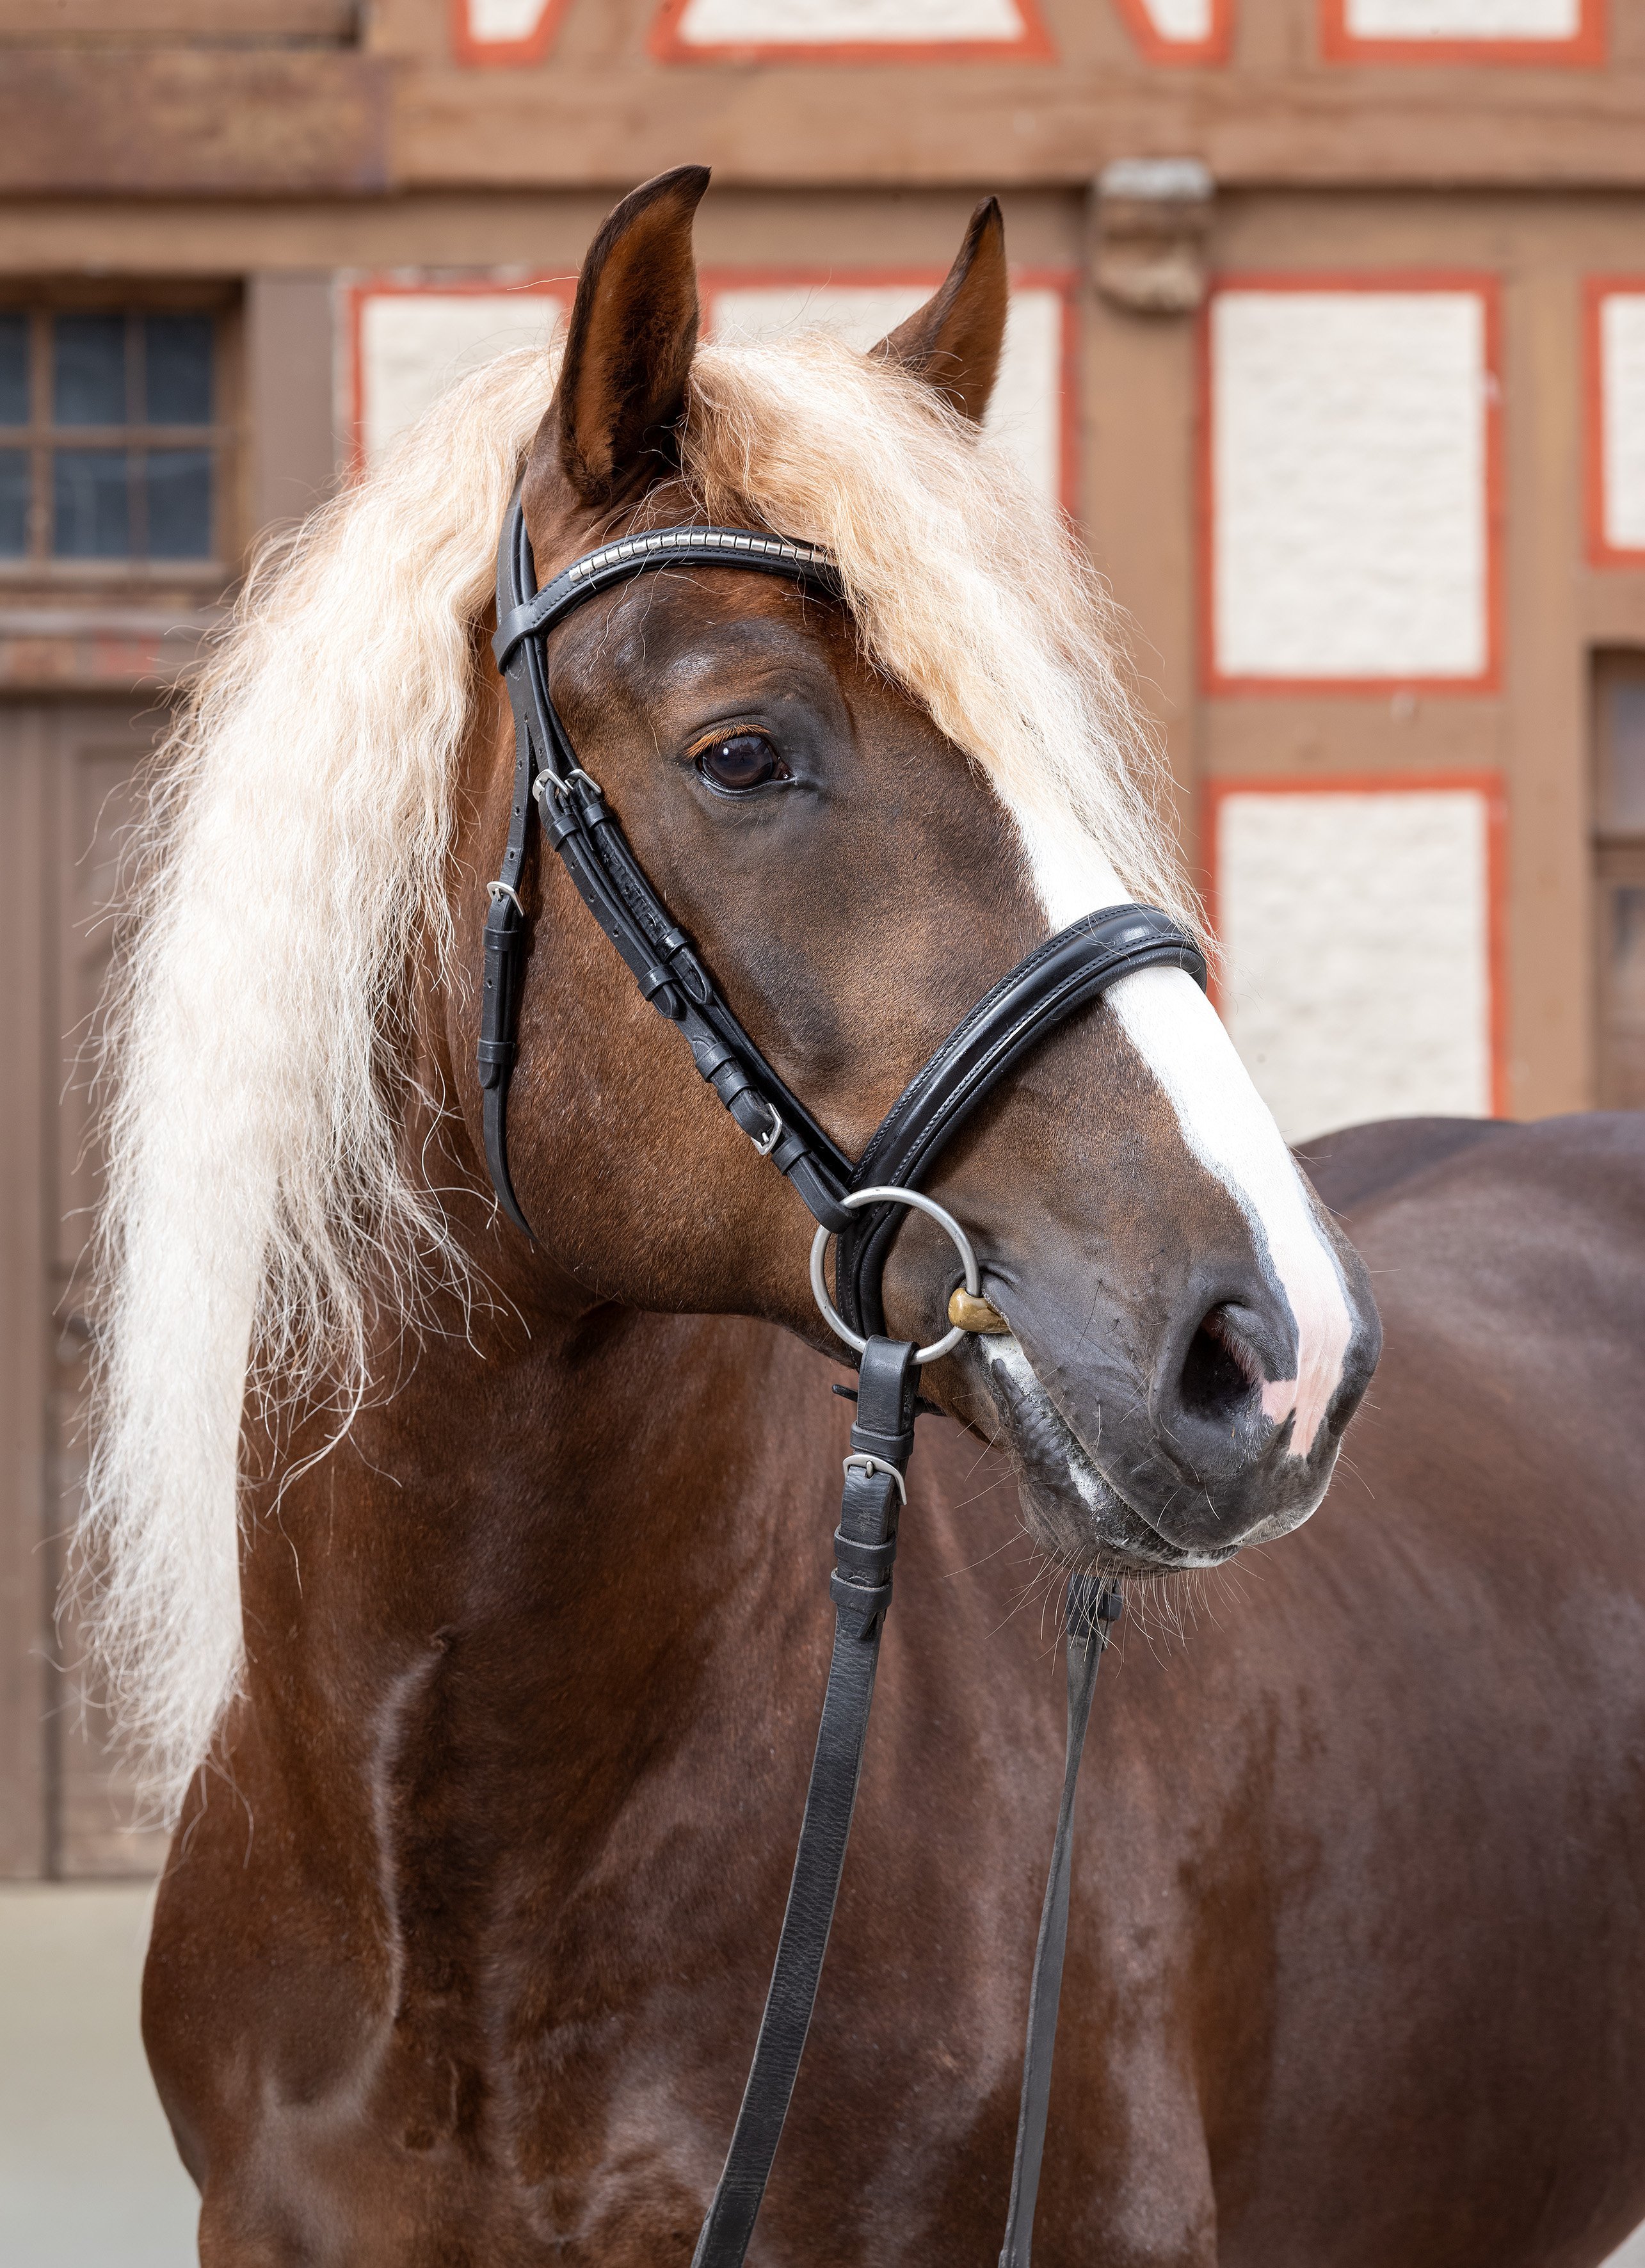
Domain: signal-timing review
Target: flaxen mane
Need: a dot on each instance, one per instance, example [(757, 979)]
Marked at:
[(296, 863)]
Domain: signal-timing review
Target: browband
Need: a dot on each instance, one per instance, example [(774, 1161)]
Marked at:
[(666, 546), (1072, 967)]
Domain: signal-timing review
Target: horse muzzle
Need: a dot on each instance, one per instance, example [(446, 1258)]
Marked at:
[(1160, 1447)]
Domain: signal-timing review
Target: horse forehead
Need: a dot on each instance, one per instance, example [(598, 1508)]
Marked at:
[(665, 630)]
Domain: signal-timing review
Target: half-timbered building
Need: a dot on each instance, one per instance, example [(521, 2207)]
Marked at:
[(1329, 332)]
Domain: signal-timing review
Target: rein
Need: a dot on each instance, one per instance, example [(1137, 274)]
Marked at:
[(863, 1204)]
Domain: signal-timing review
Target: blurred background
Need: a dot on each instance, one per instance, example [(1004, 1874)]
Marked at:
[(1329, 332)]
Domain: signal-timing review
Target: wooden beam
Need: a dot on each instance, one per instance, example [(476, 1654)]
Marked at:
[(294, 122), (283, 122), (210, 23), (579, 127)]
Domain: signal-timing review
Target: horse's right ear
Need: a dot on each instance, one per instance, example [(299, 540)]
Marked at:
[(632, 335)]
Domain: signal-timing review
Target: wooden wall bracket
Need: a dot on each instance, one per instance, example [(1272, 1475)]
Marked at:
[(1151, 217)]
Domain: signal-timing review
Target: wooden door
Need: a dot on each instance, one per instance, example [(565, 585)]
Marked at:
[(67, 792)]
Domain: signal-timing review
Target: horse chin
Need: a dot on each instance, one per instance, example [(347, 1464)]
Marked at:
[(1072, 1506)]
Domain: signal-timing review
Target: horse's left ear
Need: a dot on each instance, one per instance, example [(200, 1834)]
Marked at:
[(954, 341), (630, 341)]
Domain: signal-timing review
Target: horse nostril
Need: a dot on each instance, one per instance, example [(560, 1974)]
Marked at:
[(1219, 1371)]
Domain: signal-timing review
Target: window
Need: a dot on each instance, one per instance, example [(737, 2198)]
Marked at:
[(1619, 879), (113, 437)]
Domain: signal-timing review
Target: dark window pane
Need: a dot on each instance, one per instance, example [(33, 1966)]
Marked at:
[(88, 370), (1622, 1069), (179, 483), (13, 504), (177, 369), (13, 370), (91, 507), (1627, 799)]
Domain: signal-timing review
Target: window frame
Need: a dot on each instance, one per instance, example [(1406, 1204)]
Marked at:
[(42, 301)]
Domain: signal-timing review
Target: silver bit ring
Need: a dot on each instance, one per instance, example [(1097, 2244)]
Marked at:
[(933, 1211)]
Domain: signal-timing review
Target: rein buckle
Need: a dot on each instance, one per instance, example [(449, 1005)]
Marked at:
[(860, 1461)]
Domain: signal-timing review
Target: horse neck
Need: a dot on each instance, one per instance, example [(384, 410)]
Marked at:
[(575, 1546)]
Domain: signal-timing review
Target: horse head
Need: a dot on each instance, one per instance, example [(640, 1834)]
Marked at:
[(813, 790)]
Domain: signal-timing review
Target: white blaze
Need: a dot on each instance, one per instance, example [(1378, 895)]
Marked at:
[(1224, 1121)]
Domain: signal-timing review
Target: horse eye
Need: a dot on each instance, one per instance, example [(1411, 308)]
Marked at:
[(742, 760)]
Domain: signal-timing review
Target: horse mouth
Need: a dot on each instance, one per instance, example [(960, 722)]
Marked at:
[(1072, 1504)]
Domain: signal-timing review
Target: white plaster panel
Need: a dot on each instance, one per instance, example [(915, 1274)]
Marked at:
[(1349, 505), (1187, 23), (1622, 417), (1357, 934), (825, 23), (1026, 411), (1464, 19), (502, 23), (412, 345)]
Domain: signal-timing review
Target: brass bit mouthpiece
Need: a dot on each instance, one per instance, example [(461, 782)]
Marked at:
[(967, 1313)]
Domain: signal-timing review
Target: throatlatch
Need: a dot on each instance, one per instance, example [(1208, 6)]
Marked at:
[(861, 1203)]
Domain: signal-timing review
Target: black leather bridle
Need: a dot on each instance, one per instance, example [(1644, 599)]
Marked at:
[(861, 1203)]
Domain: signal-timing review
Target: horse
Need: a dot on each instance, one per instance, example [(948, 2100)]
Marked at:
[(465, 1589)]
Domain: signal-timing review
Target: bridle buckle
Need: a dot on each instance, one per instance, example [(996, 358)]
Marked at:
[(860, 1461), (559, 783), (767, 1142)]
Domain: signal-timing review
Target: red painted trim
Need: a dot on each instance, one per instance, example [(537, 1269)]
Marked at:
[(1154, 47), (1586, 50), (400, 286), (1034, 44), (712, 280), (1596, 291), (1426, 279), (486, 54), (1487, 785)]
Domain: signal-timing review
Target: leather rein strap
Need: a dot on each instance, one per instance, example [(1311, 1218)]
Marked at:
[(1076, 965), (865, 1545)]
